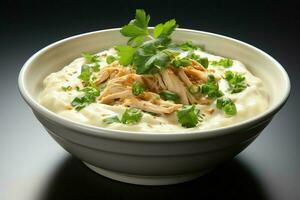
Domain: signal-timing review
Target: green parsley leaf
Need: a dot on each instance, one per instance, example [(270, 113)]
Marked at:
[(236, 82), (211, 88), (125, 54), (169, 96), (227, 106), (202, 61), (66, 88), (164, 30), (181, 62), (189, 45), (110, 59), (131, 116), (158, 29), (91, 91), (110, 120), (132, 30), (225, 62), (141, 19), (95, 67), (86, 73), (136, 41), (189, 116), (151, 56), (90, 94), (137, 29), (137, 89), (79, 103), (90, 58)]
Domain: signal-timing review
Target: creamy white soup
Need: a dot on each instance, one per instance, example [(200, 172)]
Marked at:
[(154, 85)]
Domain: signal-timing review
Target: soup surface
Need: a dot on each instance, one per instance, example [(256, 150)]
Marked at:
[(154, 85)]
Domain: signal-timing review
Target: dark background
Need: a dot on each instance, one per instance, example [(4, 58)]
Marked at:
[(33, 166)]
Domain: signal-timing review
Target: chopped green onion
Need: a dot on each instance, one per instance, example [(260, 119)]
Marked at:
[(110, 120), (168, 95), (227, 106), (194, 89)]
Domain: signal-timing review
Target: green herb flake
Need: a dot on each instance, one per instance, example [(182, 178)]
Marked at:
[(125, 54), (112, 119), (137, 89), (204, 62), (90, 94), (181, 62), (95, 67), (149, 58), (189, 116), (169, 96), (237, 82), (189, 45), (66, 88), (86, 73), (227, 106), (90, 58), (110, 59), (225, 62), (211, 88), (131, 116)]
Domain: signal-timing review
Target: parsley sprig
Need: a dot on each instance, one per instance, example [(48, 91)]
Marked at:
[(189, 116), (225, 62), (211, 88), (237, 82), (137, 29), (91, 65), (130, 116), (90, 94), (146, 56)]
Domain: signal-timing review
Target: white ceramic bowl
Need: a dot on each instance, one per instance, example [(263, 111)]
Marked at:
[(145, 158)]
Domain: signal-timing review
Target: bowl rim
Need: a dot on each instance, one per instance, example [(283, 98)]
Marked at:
[(147, 136)]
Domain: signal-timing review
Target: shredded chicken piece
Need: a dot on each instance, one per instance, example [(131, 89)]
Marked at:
[(151, 83), (174, 84), (160, 81), (164, 108), (108, 99), (111, 72), (195, 74), (118, 88), (184, 78), (119, 80), (198, 66)]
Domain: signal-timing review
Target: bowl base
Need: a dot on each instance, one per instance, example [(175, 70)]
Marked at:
[(146, 180)]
